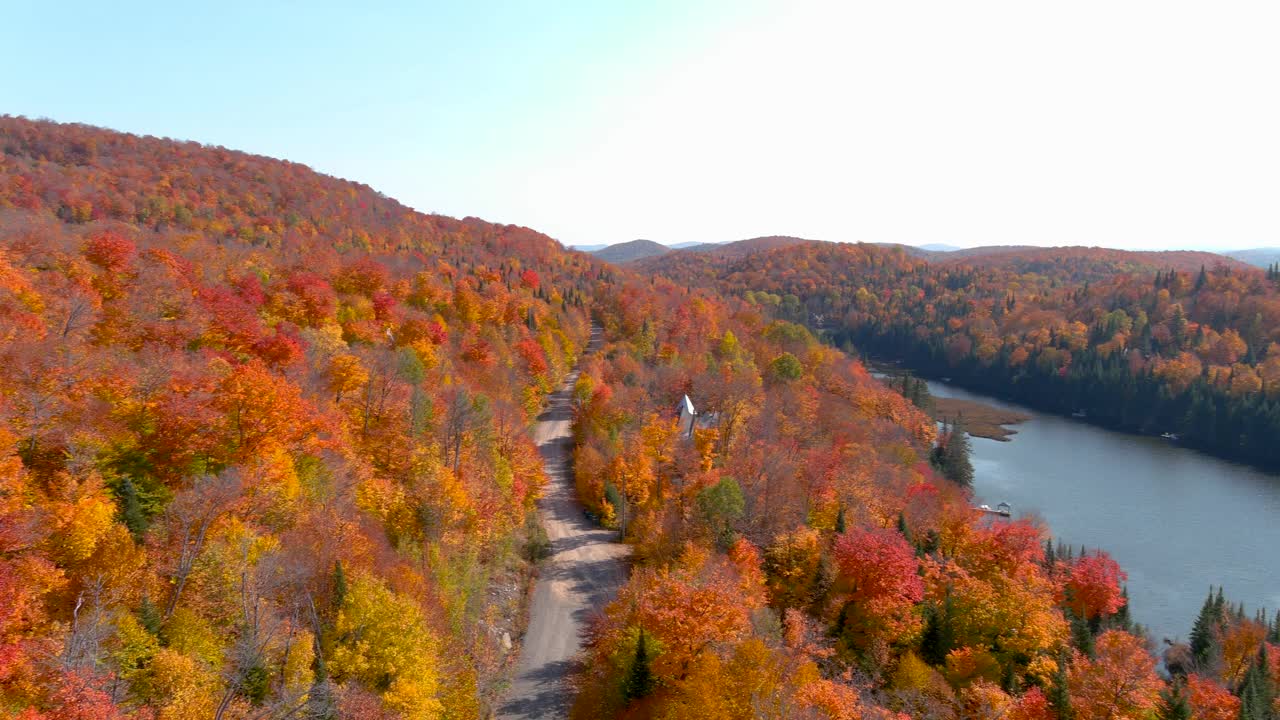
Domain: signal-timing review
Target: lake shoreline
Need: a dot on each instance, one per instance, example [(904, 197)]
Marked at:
[(980, 419), (881, 364)]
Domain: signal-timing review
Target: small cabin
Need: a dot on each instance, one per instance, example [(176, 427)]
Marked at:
[(688, 417), (691, 419)]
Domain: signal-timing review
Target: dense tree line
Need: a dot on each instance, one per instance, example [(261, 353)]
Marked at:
[(1100, 388), (1143, 342)]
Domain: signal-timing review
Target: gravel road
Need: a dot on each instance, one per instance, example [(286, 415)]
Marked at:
[(586, 567)]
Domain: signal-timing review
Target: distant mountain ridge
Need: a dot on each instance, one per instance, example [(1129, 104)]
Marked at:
[(1260, 257), (1024, 257)]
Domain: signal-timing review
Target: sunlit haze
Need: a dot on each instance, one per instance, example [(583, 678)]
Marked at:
[(1145, 125)]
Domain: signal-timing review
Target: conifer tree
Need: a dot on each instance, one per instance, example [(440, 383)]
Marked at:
[(958, 466), (1204, 633), (640, 678), (131, 510), (339, 584), (1059, 695), (1122, 619), (1173, 703), (938, 637), (1257, 691), (951, 458), (149, 616)]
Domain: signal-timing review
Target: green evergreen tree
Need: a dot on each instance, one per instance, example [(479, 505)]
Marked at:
[(339, 584), (131, 510), (1173, 703), (956, 464), (938, 637), (639, 681), (902, 527), (1204, 632), (840, 521), (1257, 691), (149, 616), (1082, 632), (1122, 620), (1059, 695)]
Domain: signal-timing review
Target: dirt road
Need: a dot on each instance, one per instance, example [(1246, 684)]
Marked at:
[(583, 573)]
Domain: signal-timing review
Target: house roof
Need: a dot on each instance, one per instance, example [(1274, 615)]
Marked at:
[(686, 405)]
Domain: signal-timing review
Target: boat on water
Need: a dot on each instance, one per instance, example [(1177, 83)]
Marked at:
[(1169, 436)]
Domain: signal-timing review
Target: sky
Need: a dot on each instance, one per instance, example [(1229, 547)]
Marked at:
[(1143, 125)]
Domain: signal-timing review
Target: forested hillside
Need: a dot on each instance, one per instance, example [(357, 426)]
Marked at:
[(263, 454), (263, 434), (1146, 342)]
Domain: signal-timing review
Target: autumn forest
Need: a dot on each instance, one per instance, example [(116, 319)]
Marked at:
[(265, 452)]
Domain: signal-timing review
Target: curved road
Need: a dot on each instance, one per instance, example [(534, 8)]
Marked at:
[(583, 573)]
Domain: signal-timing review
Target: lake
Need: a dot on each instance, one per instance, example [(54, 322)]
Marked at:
[(1176, 521)]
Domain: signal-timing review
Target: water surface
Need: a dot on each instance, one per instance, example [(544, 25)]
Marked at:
[(1176, 520)]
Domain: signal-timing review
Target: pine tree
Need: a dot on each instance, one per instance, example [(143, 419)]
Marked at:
[(1257, 691), (1082, 632), (956, 465), (840, 521), (131, 510), (149, 616), (1059, 695), (1122, 619), (938, 638), (1173, 703), (640, 678), (339, 584), (1201, 279), (1204, 633)]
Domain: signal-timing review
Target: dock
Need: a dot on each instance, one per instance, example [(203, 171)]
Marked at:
[(1004, 509)]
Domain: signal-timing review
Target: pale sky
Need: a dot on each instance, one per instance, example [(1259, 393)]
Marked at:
[(1146, 125)]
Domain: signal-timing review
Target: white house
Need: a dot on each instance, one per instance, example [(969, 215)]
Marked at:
[(691, 419), (688, 417)]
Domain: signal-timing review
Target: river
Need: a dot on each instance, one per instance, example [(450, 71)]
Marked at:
[(1176, 521)]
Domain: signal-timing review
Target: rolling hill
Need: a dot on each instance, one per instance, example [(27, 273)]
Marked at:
[(631, 251)]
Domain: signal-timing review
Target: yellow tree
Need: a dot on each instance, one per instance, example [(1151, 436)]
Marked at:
[(382, 642)]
